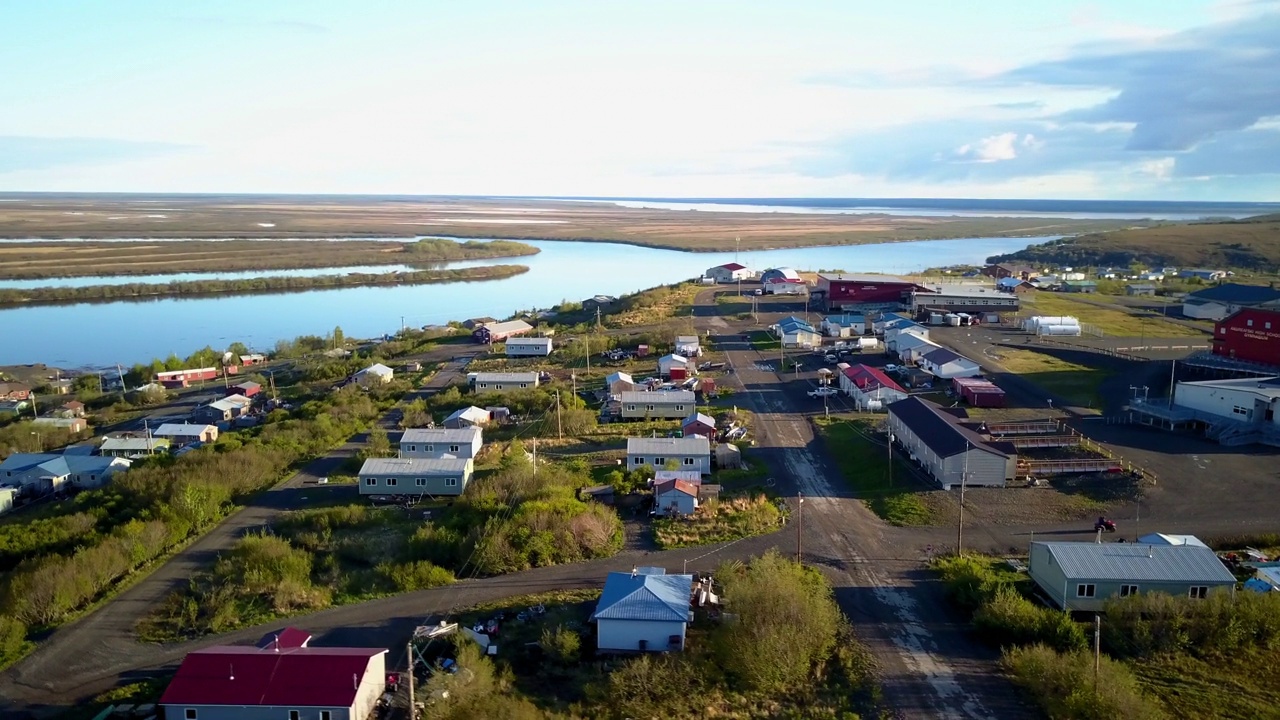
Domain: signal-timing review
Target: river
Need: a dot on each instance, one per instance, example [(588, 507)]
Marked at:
[(95, 335)]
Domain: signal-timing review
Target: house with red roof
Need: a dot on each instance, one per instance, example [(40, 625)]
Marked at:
[(277, 681), (729, 272), (869, 385), (675, 497)]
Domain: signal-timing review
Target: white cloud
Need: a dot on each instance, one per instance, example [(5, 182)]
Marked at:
[(994, 148), (1159, 168)]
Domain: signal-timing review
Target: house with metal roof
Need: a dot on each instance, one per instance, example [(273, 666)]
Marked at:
[(688, 346), (946, 365), (182, 434), (645, 610), (38, 474), (844, 325), (689, 453), (467, 417), (619, 382), (946, 448), (415, 476), (486, 382), (374, 375), (1082, 576), (133, 447), (675, 498), (1165, 539), (228, 408), (797, 332), (441, 442), (870, 387), (699, 424), (528, 347), (276, 683), (1216, 303), (670, 404), (672, 361), (729, 272)]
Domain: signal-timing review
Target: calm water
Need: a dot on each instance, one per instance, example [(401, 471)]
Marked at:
[(189, 277), (91, 335)]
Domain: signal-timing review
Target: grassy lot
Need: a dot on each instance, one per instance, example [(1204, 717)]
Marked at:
[(1243, 685), (762, 340), (1114, 320), (728, 518), (1077, 384), (733, 304), (865, 465)]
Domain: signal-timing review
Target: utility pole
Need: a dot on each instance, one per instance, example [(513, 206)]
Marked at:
[(559, 424), (1097, 650), (535, 455), (413, 709), (587, 340), (890, 448), (964, 481), (800, 527), (1173, 373), (401, 323)]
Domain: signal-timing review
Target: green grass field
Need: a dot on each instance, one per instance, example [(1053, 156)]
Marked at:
[(865, 466), (1115, 320), (1077, 384)]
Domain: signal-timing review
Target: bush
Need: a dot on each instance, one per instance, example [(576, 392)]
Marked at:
[(971, 580), (561, 645), (651, 686), (417, 575), (13, 640), (787, 622), (1152, 623), (1011, 619), (1063, 685)]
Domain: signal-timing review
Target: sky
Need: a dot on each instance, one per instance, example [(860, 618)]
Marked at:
[(1125, 99)]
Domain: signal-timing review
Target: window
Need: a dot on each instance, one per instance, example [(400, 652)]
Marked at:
[(1198, 592), (688, 461), (451, 482), (371, 481), (1249, 323), (295, 715), (648, 407), (639, 461), (191, 714), (326, 715), (484, 385), (1222, 331), (1238, 410), (1267, 325), (631, 407), (1084, 590), (524, 385), (1128, 590), (430, 448), (391, 482), (680, 407), (453, 448), (420, 482), (413, 448)]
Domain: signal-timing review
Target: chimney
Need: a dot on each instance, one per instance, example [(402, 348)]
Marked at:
[(634, 570), (233, 671)]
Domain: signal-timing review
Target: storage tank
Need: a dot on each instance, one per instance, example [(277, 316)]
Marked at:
[(1071, 330), (1063, 320), (874, 405), (867, 342)]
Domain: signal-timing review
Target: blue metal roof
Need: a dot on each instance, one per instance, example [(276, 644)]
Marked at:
[(1138, 562), (663, 598)]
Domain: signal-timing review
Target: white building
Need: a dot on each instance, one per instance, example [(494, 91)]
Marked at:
[(619, 382), (948, 451), (133, 447), (689, 453), (910, 348), (441, 442), (1163, 539), (42, 473), (374, 375), (415, 476), (672, 404), (487, 382), (528, 347), (8, 494), (667, 363), (845, 325), (729, 272), (675, 498), (945, 364), (181, 434), (643, 611), (1246, 400), (688, 346), (470, 416), (797, 333)]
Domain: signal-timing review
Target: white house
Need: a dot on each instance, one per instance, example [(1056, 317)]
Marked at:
[(688, 346), (673, 404), (643, 611), (8, 494), (374, 375), (1244, 400), (468, 417), (675, 498), (619, 382), (951, 453), (1163, 539), (910, 348), (415, 476), (689, 453), (729, 272), (796, 332), (945, 364), (133, 447), (869, 387), (181, 434), (487, 382), (843, 326), (441, 442), (528, 347), (667, 362)]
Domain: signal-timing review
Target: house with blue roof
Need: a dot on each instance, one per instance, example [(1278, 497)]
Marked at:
[(797, 332), (645, 610), (39, 474)]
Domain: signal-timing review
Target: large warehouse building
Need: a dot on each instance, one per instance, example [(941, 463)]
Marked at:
[(951, 453), (842, 291), (1251, 334), (963, 298)]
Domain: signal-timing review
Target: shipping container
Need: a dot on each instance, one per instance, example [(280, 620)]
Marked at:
[(678, 373)]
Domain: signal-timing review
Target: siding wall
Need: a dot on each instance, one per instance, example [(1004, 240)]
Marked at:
[(1221, 402), (685, 504), (1062, 590), (701, 463), (490, 386), (407, 484), (627, 634), (237, 712), (639, 411), (439, 449)]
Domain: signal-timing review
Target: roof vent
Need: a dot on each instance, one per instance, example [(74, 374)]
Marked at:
[(233, 671)]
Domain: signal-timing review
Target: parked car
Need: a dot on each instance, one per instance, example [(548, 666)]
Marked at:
[(823, 392), (891, 368), (831, 358)]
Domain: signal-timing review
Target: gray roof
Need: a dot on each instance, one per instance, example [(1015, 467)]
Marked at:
[(694, 445), (959, 291), (530, 377), (466, 436), (182, 430), (230, 402), (942, 356), (471, 413), (657, 397), (1268, 387), (701, 418), (1132, 561), (856, 277), (59, 465), (1237, 293), (414, 466), (140, 444), (687, 339), (530, 341), (645, 596), (510, 326), (615, 376)]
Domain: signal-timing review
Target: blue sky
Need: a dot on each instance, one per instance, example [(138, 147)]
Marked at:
[(1128, 99)]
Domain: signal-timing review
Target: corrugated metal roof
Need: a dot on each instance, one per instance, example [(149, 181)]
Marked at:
[(662, 598), (377, 369), (405, 466), (658, 397), (465, 436), (301, 677), (938, 429), (693, 445), (529, 377), (182, 430), (1163, 539), (541, 341), (143, 444), (470, 413), (1138, 562), (700, 418)]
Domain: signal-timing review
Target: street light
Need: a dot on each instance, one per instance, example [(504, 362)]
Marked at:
[(39, 442)]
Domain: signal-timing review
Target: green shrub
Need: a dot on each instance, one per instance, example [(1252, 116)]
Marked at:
[(1148, 624), (971, 580), (1011, 619), (13, 639), (561, 645), (1063, 685), (651, 686), (416, 575)]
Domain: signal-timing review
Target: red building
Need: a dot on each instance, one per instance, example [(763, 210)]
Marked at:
[(699, 424), (978, 392), (843, 291), (247, 389), (184, 378), (13, 392), (1250, 334)]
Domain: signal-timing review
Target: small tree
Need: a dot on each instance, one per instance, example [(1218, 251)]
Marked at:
[(378, 445), (338, 338), (561, 645)]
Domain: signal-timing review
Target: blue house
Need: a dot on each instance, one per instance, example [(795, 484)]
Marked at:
[(645, 610)]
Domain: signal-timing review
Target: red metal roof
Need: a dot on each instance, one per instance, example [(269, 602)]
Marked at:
[(683, 486), (733, 266), (247, 676), (289, 637), (864, 377)]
